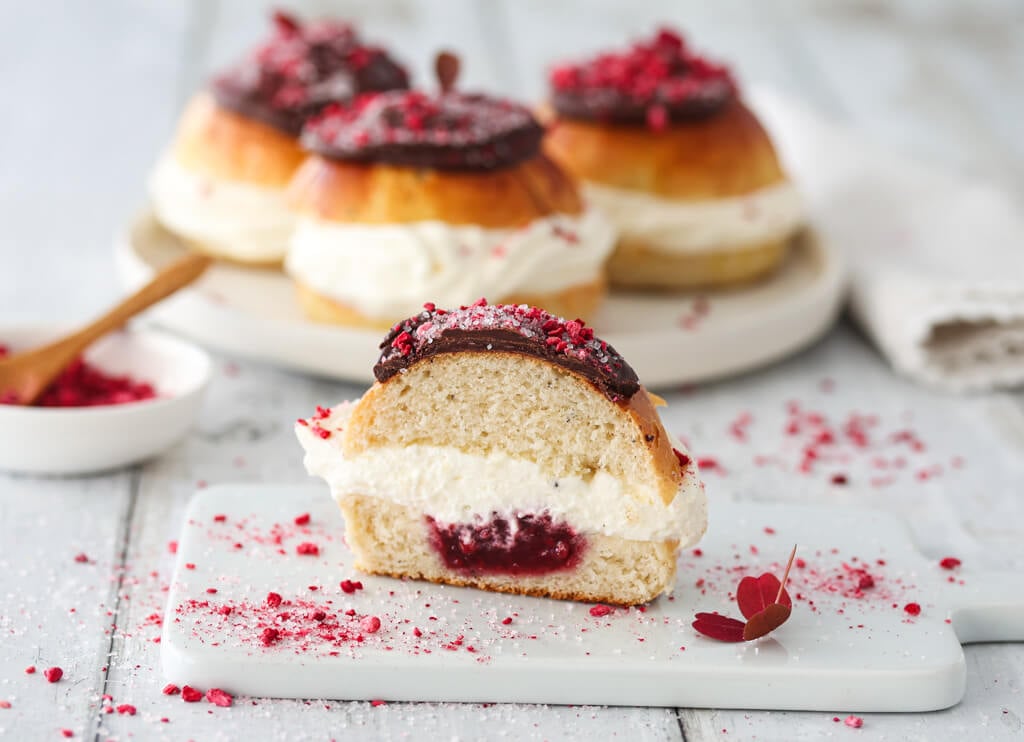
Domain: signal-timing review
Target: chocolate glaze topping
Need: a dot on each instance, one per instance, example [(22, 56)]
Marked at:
[(656, 81), (520, 329), (300, 69), (449, 131)]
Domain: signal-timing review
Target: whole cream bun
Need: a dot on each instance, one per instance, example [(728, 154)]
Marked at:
[(225, 145), (221, 185), (727, 155), (336, 193)]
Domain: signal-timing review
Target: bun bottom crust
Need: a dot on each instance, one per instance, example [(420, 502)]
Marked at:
[(213, 252), (581, 301), (392, 540), (637, 265)]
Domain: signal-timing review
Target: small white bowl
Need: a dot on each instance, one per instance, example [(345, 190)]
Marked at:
[(82, 440)]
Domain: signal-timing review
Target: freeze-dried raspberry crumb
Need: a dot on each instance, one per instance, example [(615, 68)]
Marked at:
[(220, 518), (82, 558), (126, 708), (30, 669), (307, 548), (912, 609), (269, 636), (839, 479), (172, 547), (350, 586), (190, 694), (53, 674), (370, 624), (301, 520), (5, 704), (949, 563), (219, 698), (854, 721), (67, 733), (273, 599), (377, 702), (507, 620), (171, 690), (600, 610)]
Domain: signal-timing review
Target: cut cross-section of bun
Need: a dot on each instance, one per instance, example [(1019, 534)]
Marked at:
[(507, 449)]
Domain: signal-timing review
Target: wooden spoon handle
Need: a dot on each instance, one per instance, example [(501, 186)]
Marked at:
[(176, 275)]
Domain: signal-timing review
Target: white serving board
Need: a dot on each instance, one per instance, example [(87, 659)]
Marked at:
[(845, 654), (667, 338)]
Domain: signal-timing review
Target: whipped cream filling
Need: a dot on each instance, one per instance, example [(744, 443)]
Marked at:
[(457, 487), (240, 221), (387, 271), (681, 226)]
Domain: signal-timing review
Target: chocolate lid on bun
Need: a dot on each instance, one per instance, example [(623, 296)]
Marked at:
[(512, 329), (409, 128), (302, 68), (657, 81)]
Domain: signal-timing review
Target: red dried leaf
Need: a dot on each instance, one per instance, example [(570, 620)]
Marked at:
[(765, 622), (722, 628), (754, 594), (763, 601)]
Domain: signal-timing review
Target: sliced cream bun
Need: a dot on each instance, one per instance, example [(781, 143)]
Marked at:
[(511, 450)]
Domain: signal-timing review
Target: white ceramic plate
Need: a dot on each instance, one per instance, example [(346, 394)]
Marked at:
[(81, 440), (667, 339)]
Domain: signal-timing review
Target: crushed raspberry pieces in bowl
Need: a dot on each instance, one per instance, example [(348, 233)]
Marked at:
[(92, 418), (84, 385)]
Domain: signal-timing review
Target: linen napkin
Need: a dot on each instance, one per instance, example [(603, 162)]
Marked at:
[(937, 262)]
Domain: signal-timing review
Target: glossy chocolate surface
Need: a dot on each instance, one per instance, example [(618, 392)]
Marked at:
[(506, 328), (449, 131), (300, 70)]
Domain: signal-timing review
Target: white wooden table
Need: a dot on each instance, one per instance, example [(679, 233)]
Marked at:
[(91, 93)]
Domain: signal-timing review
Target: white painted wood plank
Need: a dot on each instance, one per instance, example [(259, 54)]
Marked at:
[(54, 610)]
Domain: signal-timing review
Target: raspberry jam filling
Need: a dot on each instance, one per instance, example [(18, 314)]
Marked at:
[(83, 385), (507, 328), (525, 544), (655, 82), (448, 131), (300, 69)]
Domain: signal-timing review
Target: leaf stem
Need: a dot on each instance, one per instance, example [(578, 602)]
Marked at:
[(785, 575)]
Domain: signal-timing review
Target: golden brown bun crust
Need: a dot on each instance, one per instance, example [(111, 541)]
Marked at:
[(642, 408), (575, 301), (636, 265), (728, 154), (384, 194), (223, 144)]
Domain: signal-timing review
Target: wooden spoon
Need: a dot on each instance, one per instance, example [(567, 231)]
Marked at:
[(27, 375)]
